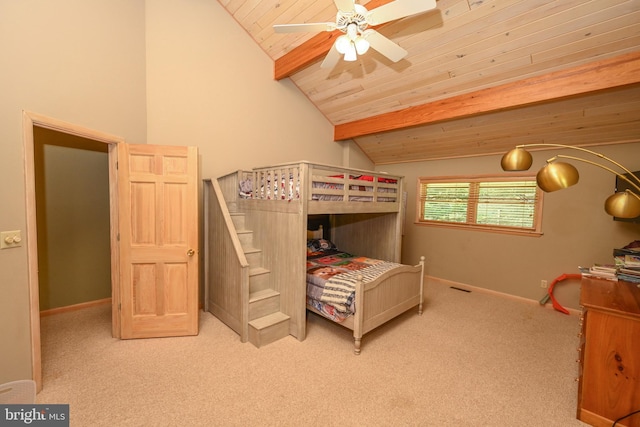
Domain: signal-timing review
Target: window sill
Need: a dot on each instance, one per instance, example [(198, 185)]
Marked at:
[(485, 228)]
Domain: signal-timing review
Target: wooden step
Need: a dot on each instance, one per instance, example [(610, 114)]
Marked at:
[(259, 279), (245, 237), (263, 303), (238, 220), (254, 257), (232, 207), (267, 329)]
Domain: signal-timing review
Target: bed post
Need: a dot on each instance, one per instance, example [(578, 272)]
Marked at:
[(359, 315), (421, 286)]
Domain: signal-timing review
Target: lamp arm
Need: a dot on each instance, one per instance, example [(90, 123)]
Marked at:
[(637, 187), (631, 192), (602, 156)]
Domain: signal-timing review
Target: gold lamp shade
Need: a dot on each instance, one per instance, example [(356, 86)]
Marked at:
[(556, 176), (559, 175), (623, 205), (517, 159)]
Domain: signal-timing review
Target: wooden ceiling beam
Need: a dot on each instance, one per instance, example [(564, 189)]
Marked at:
[(304, 55), (313, 49), (599, 75)]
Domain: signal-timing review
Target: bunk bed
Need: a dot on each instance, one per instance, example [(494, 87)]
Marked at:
[(363, 213)]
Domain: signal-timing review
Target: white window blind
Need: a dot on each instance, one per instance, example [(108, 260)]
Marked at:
[(486, 202)]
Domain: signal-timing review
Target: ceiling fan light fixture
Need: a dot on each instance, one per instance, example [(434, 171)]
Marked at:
[(350, 54), (362, 45), (353, 20), (352, 31), (342, 44)]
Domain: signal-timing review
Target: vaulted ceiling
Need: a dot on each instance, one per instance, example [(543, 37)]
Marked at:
[(481, 75)]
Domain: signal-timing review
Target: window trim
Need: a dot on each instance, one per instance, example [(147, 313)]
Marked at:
[(536, 231)]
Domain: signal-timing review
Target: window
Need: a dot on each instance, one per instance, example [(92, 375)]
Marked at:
[(511, 204)]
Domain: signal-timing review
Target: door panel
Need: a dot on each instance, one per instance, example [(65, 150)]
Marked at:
[(158, 240)]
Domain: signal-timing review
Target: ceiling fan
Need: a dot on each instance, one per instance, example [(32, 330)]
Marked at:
[(353, 19)]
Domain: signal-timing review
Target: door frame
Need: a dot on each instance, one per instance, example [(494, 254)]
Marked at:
[(30, 120)]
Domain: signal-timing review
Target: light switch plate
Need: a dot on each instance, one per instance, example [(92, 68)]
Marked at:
[(10, 239)]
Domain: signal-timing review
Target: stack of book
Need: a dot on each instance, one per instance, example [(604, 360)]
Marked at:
[(628, 263), (609, 272), (629, 274)]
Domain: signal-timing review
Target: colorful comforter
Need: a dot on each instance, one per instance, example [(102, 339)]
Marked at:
[(332, 276)]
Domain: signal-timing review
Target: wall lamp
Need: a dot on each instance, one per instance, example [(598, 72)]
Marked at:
[(557, 175)]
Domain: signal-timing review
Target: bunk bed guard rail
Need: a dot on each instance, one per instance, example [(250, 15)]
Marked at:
[(316, 182)]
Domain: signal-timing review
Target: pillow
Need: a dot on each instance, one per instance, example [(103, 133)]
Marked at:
[(319, 245)]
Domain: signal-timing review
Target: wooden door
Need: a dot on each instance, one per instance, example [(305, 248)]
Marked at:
[(158, 241)]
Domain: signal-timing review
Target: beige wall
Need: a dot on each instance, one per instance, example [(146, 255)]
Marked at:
[(355, 158), (210, 85), (576, 229), (72, 60)]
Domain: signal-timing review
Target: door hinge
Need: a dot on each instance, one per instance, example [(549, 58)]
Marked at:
[(119, 306), (118, 237)]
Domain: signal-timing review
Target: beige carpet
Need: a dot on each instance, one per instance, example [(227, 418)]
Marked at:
[(472, 359)]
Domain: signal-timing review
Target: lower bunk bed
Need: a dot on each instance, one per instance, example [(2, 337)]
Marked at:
[(358, 292)]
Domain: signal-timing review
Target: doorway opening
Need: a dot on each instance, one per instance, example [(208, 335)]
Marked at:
[(35, 125), (72, 216)]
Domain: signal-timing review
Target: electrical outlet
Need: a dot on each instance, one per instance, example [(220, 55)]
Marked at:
[(543, 284), (10, 239)]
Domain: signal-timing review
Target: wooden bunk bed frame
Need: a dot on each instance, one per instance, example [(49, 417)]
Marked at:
[(276, 208)]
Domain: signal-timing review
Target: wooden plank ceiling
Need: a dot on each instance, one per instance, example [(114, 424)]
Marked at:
[(480, 77)]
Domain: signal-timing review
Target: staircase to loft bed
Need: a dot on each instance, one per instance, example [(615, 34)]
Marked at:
[(238, 288)]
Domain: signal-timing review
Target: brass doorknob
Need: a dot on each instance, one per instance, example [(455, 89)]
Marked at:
[(190, 252)]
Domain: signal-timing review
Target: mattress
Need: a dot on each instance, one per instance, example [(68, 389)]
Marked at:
[(332, 276)]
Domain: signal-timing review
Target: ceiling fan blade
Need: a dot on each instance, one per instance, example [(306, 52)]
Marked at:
[(385, 46), (344, 5), (332, 58), (398, 9), (309, 27)]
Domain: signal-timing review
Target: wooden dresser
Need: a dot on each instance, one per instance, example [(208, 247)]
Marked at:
[(609, 373)]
